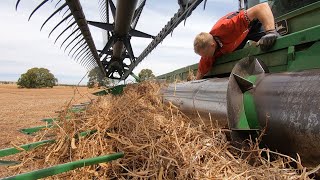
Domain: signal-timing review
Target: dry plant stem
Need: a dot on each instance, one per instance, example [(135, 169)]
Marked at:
[(269, 151), (79, 85)]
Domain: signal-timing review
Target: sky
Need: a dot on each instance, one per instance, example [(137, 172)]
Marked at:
[(24, 46)]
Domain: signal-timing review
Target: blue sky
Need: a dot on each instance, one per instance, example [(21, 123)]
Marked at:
[(23, 46)]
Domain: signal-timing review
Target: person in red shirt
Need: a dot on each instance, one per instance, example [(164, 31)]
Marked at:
[(232, 31)]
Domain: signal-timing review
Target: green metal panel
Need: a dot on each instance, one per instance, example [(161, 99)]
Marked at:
[(168, 76), (116, 90), (282, 7), (277, 69), (276, 56), (252, 79), (42, 173), (309, 58), (302, 18), (305, 36), (304, 27), (243, 121), (222, 68), (250, 110), (291, 53), (302, 10), (248, 116)]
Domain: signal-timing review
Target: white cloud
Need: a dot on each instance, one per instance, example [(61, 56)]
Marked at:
[(22, 46)]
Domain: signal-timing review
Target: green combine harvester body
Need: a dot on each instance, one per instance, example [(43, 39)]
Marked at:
[(298, 48), (253, 86), (272, 92)]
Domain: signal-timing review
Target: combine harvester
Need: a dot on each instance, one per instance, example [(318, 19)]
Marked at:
[(275, 92)]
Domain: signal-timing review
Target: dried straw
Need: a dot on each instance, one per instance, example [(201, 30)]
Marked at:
[(159, 142)]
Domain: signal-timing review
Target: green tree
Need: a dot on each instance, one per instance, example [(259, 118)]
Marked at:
[(37, 78), (146, 74), (96, 77)]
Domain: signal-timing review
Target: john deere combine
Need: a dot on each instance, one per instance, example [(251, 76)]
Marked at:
[(276, 91)]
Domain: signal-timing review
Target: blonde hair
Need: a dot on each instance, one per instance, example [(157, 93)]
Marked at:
[(201, 41)]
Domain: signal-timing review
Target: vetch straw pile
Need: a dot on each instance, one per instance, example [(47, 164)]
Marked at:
[(159, 142)]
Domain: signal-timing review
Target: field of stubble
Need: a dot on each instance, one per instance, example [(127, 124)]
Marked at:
[(23, 108)]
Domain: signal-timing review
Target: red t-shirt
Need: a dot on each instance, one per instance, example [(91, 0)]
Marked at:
[(231, 30)]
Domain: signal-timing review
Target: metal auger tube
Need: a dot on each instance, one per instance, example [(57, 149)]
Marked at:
[(200, 98), (124, 15), (285, 105)]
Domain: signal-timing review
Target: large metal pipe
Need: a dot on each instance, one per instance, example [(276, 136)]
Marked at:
[(124, 15), (286, 105), (291, 102), (200, 98)]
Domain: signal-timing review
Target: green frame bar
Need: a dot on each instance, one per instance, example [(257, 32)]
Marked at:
[(75, 109), (135, 77), (225, 63), (116, 90), (26, 147), (9, 163), (32, 130), (297, 12), (49, 120), (61, 168), (85, 133)]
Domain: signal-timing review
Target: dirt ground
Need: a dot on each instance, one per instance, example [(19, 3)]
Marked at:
[(24, 108)]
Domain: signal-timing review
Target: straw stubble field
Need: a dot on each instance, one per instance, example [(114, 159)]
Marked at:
[(23, 108)]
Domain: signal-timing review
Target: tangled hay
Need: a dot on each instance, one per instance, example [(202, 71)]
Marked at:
[(158, 140)]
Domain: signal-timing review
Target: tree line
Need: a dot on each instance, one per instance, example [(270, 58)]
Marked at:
[(42, 77)]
